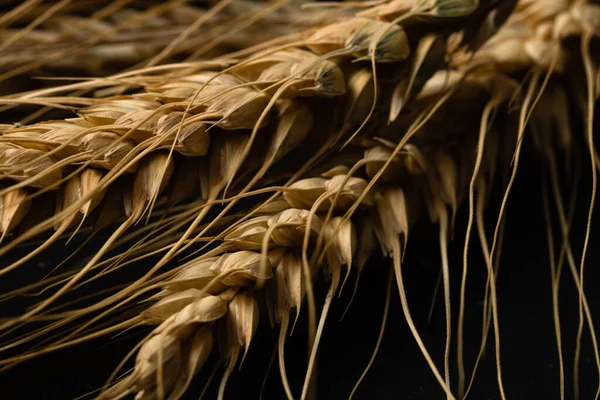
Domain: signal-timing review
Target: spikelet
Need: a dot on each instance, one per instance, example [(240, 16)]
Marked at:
[(225, 155), (427, 58), (241, 321), (108, 111), (294, 122), (177, 90), (290, 289), (350, 189), (193, 139), (196, 275), (341, 236), (357, 36), (305, 192), (376, 157), (361, 97), (239, 108), (109, 146), (14, 205), (198, 351), (203, 310), (393, 218), (169, 305), (291, 225), (240, 268), (249, 235), (310, 77), (151, 179), (23, 164), (143, 380)]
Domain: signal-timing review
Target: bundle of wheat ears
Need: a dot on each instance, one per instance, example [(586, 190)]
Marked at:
[(241, 152)]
